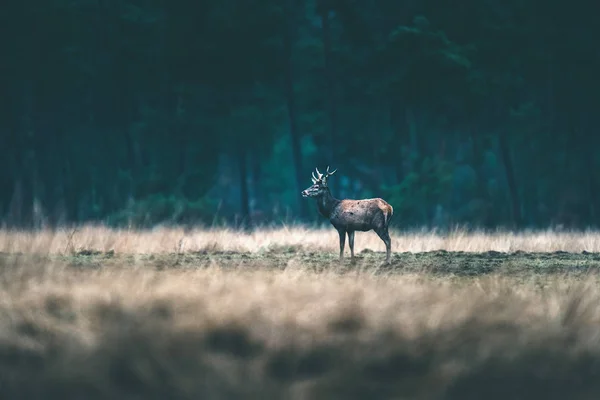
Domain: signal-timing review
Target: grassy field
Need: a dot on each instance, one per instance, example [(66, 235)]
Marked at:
[(96, 313)]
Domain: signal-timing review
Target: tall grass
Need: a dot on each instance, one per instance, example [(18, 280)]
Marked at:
[(167, 240)]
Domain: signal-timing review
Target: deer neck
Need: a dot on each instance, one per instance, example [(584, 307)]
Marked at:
[(326, 204)]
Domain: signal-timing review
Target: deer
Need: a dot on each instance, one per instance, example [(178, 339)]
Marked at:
[(348, 216)]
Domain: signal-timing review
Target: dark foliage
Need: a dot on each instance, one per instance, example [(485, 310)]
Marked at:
[(144, 112)]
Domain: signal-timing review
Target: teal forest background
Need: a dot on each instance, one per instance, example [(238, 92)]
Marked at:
[(203, 112)]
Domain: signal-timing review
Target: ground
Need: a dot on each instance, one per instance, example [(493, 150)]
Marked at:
[(97, 313), (440, 263)]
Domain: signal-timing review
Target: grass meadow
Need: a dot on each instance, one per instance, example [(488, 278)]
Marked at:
[(97, 313)]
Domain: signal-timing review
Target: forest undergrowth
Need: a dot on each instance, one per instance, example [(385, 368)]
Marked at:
[(100, 313)]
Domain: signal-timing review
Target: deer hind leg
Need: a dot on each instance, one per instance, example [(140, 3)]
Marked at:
[(351, 243), (342, 234), (385, 236)]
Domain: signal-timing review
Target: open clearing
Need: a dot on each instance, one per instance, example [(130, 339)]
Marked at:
[(436, 263), (94, 313)]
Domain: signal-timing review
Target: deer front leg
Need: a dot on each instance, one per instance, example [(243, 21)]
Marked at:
[(342, 234), (351, 243)]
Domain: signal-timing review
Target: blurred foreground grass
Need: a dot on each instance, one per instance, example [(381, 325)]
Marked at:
[(286, 321)]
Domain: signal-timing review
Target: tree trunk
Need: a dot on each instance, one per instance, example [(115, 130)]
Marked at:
[(256, 175), (330, 82), (592, 189), (515, 207), (291, 107), (411, 122), (587, 142), (181, 133), (244, 197), (478, 164), (398, 131), (29, 165)]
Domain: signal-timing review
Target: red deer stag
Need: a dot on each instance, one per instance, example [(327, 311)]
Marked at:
[(348, 216)]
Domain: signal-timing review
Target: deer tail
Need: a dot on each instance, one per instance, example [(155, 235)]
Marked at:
[(387, 214)]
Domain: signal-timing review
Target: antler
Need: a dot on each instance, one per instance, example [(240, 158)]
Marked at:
[(320, 176), (328, 174)]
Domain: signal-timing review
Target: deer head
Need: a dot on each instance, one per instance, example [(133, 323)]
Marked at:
[(319, 187)]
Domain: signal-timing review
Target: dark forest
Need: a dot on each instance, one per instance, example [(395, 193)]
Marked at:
[(479, 112)]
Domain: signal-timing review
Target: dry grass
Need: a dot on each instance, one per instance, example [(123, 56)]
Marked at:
[(168, 240), (121, 331)]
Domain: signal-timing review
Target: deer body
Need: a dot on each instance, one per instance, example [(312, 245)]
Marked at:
[(348, 216)]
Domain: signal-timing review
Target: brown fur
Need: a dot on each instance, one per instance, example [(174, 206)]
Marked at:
[(348, 216), (352, 214)]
